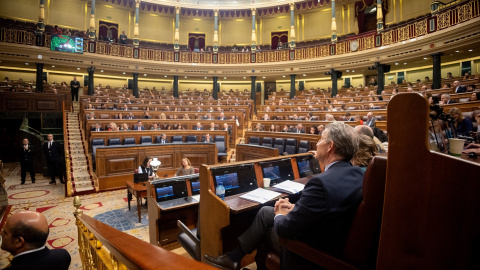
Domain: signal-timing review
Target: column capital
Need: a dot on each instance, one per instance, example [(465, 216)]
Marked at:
[(292, 5), (254, 11), (436, 54), (137, 3), (215, 12), (177, 10)]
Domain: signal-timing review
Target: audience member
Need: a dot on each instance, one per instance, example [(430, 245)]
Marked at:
[(332, 195), (371, 120), (366, 151), (139, 126), (463, 125), (24, 235)]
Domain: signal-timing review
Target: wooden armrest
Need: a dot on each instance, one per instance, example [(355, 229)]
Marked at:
[(314, 255), (188, 232)]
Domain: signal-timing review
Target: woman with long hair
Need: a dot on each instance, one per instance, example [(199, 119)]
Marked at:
[(145, 167), (186, 168)]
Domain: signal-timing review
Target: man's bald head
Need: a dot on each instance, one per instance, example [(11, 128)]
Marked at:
[(364, 130), (23, 231)]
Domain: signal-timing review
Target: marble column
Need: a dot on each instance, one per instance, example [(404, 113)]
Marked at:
[(379, 16), (292, 85), (254, 31), (437, 70), (91, 33), (215, 87), (175, 86), (135, 84), (334, 23), (39, 78), (91, 71), (136, 32), (215, 31), (40, 24), (176, 38), (292, 25)]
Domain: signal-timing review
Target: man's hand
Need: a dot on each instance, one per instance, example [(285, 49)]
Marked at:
[(472, 145), (283, 207)]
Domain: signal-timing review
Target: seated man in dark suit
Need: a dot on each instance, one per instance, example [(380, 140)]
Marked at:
[(163, 138), (207, 139), (198, 126), (320, 217), (24, 236), (97, 127), (139, 126)]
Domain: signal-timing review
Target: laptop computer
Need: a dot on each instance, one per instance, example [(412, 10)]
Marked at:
[(140, 177)]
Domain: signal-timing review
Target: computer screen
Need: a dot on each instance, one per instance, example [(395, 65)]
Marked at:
[(303, 166), (170, 189), (195, 185), (236, 179), (277, 170)]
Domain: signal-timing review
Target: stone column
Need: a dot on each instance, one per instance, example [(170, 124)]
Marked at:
[(40, 24), (334, 75), (91, 33), (292, 25), (334, 23), (292, 85), (215, 31), (379, 16), (253, 91), (215, 88), (176, 38), (135, 84), (91, 71), (175, 86), (437, 70), (39, 78), (136, 33), (254, 32)]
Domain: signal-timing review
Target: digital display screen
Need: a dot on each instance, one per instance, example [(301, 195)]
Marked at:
[(236, 179), (63, 43), (271, 172), (229, 181), (278, 170), (303, 166), (164, 192), (195, 187)]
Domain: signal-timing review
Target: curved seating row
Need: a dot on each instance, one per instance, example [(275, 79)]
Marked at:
[(288, 146)]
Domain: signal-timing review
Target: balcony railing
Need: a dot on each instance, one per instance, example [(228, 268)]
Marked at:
[(427, 24)]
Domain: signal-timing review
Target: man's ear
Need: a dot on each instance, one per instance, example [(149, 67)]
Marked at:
[(19, 243), (331, 146)]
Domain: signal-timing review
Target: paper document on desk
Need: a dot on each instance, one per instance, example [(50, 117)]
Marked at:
[(260, 195), (289, 187)]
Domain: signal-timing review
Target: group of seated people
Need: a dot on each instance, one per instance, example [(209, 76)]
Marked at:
[(146, 167), (112, 126)]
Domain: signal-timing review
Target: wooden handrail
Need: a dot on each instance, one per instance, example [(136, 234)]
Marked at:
[(135, 253)]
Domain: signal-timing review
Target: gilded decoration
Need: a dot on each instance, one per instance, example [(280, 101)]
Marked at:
[(169, 56), (144, 54), (221, 58), (260, 57), (299, 54), (115, 50), (157, 55), (403, 33), (324, 51), (195, 57), (443, 20), (29, 38), (100, 48), (464, 12), (246, 58), (10, 35), (387, 37), (341, 47), (128, 52), (208, 58), (421, 28)]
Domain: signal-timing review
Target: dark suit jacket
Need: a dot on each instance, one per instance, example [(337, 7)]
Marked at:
[(222, 118), (74, 85), (296, 131), (45, 259), (323, 213), (94, 129), (197, 128), (26, 157), (54, 154), (137, 128), (461, 89)]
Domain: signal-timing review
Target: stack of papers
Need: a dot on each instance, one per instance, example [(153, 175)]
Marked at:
[(260, 195), (289, 187)]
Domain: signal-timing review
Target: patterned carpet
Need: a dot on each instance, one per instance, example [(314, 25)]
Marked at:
[(108, 207)]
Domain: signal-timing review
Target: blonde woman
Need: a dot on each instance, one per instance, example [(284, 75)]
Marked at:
[(186, 168)]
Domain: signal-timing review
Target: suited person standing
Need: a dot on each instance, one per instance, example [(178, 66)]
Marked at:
[(26, 161), (24, 236), (53, 154), (74, 87)]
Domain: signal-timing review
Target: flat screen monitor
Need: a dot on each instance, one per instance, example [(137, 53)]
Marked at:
[(63, 43), (236, 179), (277, 170), (195, 186), (170, 189), (307, 166)]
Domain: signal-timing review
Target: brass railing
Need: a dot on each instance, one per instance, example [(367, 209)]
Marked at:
[(103, 247), (446, 17)]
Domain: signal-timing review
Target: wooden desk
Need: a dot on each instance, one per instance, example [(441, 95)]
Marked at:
[(222, 221), (139, 190)]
